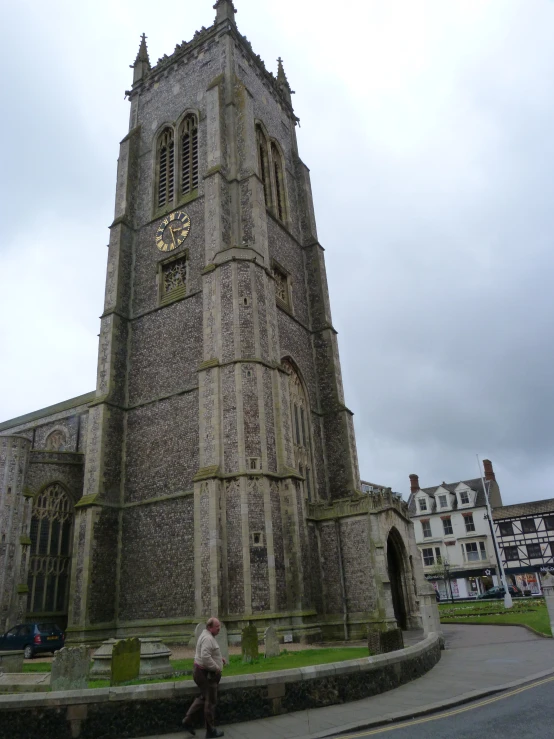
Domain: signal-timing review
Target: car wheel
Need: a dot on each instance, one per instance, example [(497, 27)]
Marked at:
[(29, 652)]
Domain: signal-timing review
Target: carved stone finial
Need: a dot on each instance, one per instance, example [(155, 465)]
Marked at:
[(283, 82), (142, 62), (225, 11), (142, 55)]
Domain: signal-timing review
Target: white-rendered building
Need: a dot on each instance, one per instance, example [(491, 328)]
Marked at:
[(453, 534)]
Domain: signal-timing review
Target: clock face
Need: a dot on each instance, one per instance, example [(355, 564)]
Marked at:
[(172, 231)]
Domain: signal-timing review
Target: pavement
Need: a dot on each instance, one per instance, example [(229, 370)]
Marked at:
[(477, 661)]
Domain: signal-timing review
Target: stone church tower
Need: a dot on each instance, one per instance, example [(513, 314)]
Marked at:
[(220, 468)]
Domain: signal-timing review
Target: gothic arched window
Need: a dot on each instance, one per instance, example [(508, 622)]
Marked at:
[(300, 427), (189, 155), (263, 164), (51, 538), (166, 168), (279, 179)]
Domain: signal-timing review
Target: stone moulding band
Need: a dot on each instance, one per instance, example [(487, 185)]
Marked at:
[(147, 708)]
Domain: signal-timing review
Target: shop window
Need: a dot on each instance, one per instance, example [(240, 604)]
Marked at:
[(470, 525), (447, 526), (534, 551), (528, 526), (511, 554), (506, 528), (426, 526), (428, 557)]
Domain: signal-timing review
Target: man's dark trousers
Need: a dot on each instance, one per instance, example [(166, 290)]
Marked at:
[(207, 681)]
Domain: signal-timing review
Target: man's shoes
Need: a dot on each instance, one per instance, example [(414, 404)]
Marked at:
[(188, 727), (213, 733)]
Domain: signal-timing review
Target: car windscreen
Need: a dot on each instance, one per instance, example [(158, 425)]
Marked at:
[(48, 629)]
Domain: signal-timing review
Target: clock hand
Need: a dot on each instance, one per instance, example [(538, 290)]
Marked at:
[(173, 237)]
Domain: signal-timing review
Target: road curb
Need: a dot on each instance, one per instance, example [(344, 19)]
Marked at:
[(405, 715)]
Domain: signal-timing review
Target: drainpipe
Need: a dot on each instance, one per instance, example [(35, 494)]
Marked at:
[(342, 582)]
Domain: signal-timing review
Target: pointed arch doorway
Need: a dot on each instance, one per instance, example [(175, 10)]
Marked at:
[(397, 577)]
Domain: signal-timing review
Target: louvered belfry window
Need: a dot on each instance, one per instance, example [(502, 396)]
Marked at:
[(189, 155), (279, 183), (166, 168), (263, 163)]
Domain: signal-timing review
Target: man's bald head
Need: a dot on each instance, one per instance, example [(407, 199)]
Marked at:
[(213, 625)]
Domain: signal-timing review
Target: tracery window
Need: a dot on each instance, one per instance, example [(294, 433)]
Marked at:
[(300, 428), (166, 168), (272, 174), (189, 155), (55, 441), (281, 210), (174, 279), (282, 286), (51, 538), (263, 163)]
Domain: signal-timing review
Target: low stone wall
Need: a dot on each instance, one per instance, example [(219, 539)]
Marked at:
[(158, 708)]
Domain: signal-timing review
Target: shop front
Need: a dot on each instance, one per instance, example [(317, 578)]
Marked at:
[(528, 579), (463, 583)]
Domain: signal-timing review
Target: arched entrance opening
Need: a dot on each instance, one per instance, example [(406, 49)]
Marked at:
[(50, 562), (397, 577)]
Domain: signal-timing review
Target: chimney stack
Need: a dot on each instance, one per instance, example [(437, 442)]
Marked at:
[(414, 483), (489, 472)]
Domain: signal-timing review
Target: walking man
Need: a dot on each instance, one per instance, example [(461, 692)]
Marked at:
[(208, 664)]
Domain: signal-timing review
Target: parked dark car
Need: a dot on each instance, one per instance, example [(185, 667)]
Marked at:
[(33, 639), (437, 595), (498, 592)]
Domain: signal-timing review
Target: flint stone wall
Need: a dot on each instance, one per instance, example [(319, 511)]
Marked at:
[(145, 710)]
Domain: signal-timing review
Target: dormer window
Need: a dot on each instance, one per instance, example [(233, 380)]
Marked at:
[(464, 497), (422, 504), (443, 501)]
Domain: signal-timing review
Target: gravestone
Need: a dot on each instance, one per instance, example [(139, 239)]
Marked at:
[(271, 642), (288, 639), (154, 659), (249, 644), (70, 669), (197, 631), (223, 640), (125, 661)]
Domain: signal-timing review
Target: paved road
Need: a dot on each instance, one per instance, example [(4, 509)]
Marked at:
[(477, 658), (524, 713)]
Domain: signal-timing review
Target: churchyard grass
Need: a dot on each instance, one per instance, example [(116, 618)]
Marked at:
[(37, 667), (524, 612), (285, 661)]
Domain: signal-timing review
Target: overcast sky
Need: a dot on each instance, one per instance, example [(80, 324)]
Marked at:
[(428, 128)]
